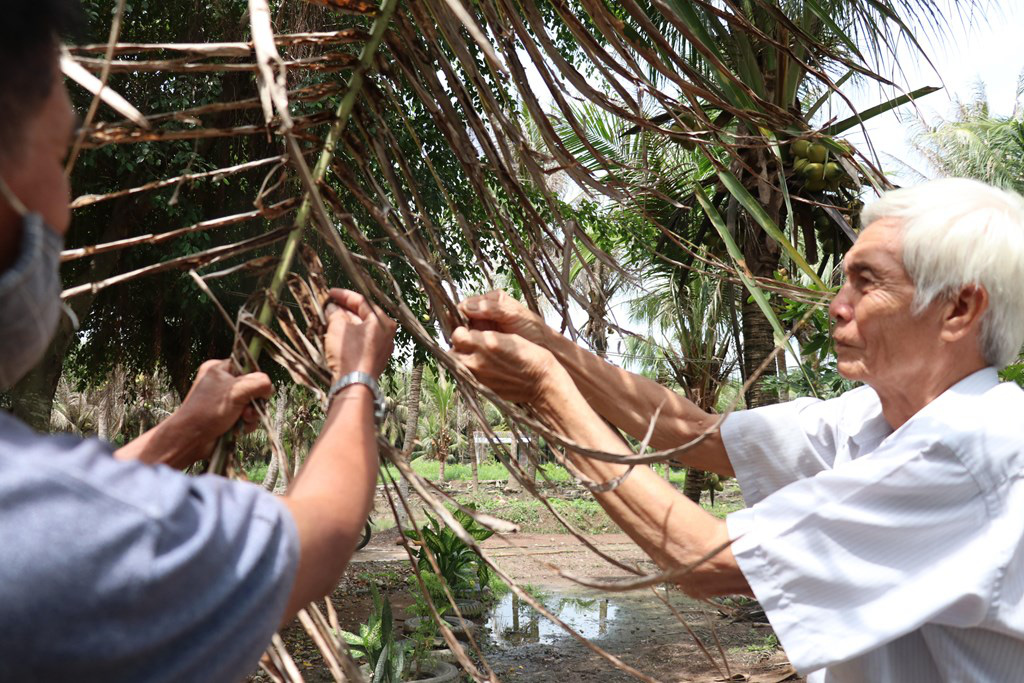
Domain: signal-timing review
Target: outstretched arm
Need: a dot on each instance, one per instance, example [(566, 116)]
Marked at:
[(669, 527), (627, 400), (332, 496), (214, 404)]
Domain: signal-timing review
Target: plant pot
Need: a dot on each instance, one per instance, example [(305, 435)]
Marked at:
[(473, 592), (470, 609), (434, 672), (460, 627)]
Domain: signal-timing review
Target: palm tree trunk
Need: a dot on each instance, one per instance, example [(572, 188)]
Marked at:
[(758, 336), (273, 469), (411, 421), (759, 343), (474, 454), (696, 480)]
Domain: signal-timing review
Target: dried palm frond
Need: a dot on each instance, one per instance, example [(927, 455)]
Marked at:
[(387, 212)]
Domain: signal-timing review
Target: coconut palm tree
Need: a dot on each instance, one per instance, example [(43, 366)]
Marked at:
[(690, 315), (438, 423), (739, 92), (975, 143), (73, 412)]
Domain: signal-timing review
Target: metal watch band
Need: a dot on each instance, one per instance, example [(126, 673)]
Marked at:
[(363, 378)]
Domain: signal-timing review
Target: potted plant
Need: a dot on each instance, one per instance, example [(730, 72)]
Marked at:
[(386, 656), (461, 568)]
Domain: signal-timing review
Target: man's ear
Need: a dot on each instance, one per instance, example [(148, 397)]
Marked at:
[(963, 313)]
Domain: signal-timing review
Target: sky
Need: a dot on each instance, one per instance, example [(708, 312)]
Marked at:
[(988, 48)]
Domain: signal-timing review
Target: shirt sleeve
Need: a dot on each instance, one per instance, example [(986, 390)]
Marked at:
[(776, 445), (126, 572), (853, 558)]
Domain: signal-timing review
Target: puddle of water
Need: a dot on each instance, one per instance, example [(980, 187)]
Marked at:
[(513, 622)]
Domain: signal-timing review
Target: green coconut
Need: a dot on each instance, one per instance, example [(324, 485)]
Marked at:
[(800, 148), (800, 164), (815, 185), (817, 153), (814, 171)]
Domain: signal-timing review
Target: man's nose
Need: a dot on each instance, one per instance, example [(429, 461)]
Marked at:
[(840, 309)]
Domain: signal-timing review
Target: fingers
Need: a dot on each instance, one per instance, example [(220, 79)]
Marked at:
[(251, 418), (214, 364), (465, 340), (335, 313), (253, 386), (352, 301), (362, 310), (489, 306)]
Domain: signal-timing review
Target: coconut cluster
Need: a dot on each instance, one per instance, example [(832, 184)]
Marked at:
[(815, 163)]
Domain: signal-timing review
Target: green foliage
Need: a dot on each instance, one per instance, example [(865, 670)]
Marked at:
[(1013, 373), (486, 471), (376, 642), (769, 643), (821, 379), (459, 565)]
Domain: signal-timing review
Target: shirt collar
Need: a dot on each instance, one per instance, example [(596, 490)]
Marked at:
[(974, 384)]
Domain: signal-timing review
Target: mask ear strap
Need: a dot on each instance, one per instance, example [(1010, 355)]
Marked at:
[(70, 313), (12, 199)]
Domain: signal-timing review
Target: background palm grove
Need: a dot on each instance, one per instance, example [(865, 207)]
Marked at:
[(663, 180)]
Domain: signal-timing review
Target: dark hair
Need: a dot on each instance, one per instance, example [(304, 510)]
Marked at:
[(29, 35)]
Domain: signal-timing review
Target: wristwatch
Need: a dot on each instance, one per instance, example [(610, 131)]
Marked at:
[(367, 380)]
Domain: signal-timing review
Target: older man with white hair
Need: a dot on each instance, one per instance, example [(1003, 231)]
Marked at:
[(884, 530)]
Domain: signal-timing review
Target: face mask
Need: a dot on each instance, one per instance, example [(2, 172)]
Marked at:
[(30, 302)]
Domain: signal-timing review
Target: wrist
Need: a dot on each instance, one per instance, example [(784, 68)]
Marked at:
[(554, 395), (370, 385), (337, 374), (178, 442)]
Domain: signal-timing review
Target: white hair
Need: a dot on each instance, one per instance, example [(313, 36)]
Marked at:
[(959, 232)]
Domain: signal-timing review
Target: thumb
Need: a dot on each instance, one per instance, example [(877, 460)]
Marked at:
[(462, 339), (252, 386), (222, 365)]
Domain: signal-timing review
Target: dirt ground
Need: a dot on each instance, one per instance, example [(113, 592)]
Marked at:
[(521, 646)]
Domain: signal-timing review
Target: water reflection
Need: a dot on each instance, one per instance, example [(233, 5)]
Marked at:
[(513, 622)]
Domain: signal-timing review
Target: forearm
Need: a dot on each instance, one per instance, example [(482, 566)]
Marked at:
[(172, 442), (332, 496), (667, 525), (629, 401)]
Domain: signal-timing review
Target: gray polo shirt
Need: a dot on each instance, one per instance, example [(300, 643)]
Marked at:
[(114, 571)]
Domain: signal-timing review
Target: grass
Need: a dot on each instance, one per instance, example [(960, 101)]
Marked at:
[(769, 643), (257, 472), (583, 513), (429, 469), (495, 471)]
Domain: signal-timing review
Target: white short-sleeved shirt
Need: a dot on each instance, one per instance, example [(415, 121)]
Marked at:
[(887, 556)]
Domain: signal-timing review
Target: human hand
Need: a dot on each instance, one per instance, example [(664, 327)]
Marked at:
[(513, 367), (499, 312), (217, 399), (360, 337)]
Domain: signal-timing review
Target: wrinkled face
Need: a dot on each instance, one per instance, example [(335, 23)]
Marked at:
[(35, 173), (878, 340)]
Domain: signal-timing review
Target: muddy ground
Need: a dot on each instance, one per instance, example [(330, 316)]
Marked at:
[(521, 646)]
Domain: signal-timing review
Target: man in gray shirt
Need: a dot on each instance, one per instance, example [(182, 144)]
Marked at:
[(113, 565)]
